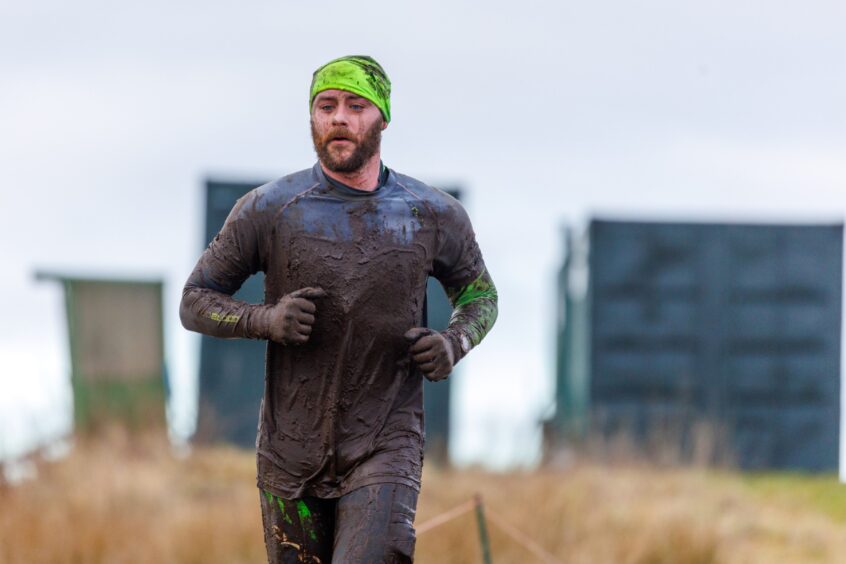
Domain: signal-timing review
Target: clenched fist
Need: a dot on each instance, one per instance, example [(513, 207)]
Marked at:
[(432, 352), (289, 321)]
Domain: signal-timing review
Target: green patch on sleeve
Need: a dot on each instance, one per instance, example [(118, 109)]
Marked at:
[(474, 311), (481, 287)]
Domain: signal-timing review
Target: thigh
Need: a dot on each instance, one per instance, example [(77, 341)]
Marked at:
[(375, 524), (298, 530)]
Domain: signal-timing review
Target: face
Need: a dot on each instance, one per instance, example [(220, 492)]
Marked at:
[(346, 130)]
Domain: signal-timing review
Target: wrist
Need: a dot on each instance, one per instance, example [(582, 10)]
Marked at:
[(454, 341), (258, 322)]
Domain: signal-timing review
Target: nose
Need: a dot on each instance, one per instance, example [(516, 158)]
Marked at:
[(339, 116)]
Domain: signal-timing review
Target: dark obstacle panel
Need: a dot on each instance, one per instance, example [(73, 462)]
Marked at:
[(725, 327)]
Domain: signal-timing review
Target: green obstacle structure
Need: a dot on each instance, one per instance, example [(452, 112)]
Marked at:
[(116, 341)]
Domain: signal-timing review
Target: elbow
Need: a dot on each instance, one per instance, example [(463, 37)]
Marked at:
[(493, 299), (186, 312), (494, 312)]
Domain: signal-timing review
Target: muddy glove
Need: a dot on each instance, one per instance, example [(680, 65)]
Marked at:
[(431, 351), (290, 320)]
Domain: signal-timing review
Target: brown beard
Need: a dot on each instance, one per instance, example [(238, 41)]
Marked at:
[(364, 149)]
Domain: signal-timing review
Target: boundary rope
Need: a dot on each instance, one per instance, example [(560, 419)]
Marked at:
[(523, 539), (516, 535), (444, 517)]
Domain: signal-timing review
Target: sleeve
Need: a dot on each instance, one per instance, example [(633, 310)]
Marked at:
[(234, 254), (461, 270), (458, 260)]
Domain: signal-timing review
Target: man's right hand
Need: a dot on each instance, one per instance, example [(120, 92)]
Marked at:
[(290, 320)]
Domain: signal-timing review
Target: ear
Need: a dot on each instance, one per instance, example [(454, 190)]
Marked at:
[(384, 124)]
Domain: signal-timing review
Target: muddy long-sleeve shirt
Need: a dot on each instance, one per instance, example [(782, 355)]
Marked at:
[(345, 409)]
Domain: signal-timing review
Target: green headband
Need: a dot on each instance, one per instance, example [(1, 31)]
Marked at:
[(358, 74)]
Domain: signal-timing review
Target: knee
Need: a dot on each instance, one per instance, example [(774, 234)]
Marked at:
[(399, 548), (401, 536)]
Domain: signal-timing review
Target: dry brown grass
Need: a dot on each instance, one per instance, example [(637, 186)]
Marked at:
[(632, 514), (123, 501)]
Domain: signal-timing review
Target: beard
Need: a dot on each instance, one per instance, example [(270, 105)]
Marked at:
[(363, 150)]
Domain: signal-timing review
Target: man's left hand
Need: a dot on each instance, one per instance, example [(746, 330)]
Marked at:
[(431, 351)]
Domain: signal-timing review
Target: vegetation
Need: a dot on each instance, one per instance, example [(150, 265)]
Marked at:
[(122, 500)]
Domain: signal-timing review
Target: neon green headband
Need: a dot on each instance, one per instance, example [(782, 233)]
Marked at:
[(358, 74)]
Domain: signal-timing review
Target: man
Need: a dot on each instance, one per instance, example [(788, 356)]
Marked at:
[(346, 248)]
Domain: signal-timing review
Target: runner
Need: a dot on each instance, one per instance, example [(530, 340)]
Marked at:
[(346, 247)]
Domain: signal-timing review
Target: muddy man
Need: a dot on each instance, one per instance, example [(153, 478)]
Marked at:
[(347, 247)]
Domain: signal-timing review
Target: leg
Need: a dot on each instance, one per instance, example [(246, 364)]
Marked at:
[(298, 530), (375, 524)]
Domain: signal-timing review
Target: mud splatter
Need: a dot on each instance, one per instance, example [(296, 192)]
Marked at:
[(344, 409)]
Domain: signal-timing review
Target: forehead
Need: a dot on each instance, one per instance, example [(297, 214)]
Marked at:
[(335, 94)]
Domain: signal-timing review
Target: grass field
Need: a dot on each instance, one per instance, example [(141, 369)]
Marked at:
[(122, 501)]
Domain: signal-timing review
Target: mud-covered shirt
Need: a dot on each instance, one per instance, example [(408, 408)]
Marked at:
[(345, 409)]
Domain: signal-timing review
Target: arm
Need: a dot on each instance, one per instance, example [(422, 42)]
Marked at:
[(207, 304), (471, 291), (235, 253), (474, 313)]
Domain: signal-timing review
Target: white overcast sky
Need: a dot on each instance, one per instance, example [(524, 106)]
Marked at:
[(113, 113)]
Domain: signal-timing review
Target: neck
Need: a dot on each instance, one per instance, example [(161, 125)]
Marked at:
[(365, 178)]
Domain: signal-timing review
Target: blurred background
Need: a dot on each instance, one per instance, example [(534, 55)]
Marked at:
[(657, 189)]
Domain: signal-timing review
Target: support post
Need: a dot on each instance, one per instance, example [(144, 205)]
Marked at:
[(483, 530)]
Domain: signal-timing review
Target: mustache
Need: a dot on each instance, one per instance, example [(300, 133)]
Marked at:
[(338, 132)]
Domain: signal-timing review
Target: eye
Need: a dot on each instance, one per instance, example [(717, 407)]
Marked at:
[(357, 107), (326, 107)]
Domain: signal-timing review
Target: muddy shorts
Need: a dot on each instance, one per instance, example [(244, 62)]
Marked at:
[(372, 524)]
